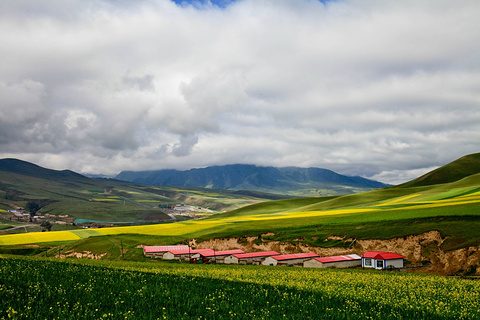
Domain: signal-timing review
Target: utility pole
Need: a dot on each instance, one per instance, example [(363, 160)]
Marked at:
[(121, 245)]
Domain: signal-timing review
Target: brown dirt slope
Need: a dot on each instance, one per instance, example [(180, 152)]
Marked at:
[(419, 249)]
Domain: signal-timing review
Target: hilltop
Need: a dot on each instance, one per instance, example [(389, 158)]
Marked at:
[(29, 169), (66, 197), (463, 167), (287, 180)]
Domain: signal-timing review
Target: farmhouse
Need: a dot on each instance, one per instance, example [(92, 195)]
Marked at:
[(158, 251), (249, 258), (381, 260), (296, 259), (344, 261), (219, 256), (187, 254)]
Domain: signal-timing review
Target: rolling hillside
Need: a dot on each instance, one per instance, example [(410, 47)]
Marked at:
[(430, 224), (69, 197), (288, 180), (453, 171)]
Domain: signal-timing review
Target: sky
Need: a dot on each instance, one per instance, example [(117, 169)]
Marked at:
[(384, 89)]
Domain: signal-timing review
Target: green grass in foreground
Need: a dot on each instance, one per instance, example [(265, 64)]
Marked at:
[(48, 289)]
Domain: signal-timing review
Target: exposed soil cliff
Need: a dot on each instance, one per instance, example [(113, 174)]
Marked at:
[(419, 249)]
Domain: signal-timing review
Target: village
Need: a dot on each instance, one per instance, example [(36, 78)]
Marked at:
[(378, 260)]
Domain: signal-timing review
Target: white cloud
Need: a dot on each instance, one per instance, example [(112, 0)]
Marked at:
[(376, 88)]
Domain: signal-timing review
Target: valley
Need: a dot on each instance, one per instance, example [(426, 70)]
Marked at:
[(434, 226), (337, 224)]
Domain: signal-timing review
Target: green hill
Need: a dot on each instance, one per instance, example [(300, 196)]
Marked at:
[(29, 169), (69, 197), (450, 208), (456, 170)]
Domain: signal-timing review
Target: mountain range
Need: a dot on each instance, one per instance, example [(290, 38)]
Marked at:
[(285, 180)]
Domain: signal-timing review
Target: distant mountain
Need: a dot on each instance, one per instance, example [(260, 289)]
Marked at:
[(68, 196), (463, 167), (287, 180)]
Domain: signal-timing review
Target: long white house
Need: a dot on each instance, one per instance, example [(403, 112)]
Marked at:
[(343, 261), (249, 258), (295, 259), (159, 251)]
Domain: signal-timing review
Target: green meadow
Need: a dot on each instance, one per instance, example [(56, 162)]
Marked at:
[(94, 289), (452, 208), (381, 214)]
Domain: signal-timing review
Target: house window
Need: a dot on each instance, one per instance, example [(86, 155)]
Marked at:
[(380, 264), (368, 262)]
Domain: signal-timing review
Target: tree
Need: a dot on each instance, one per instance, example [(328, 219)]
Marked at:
[(46, 225), (32, 207)]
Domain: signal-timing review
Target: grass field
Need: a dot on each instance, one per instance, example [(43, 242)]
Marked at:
[(91, 289), (110, 200), (384, 213), (451, 208)]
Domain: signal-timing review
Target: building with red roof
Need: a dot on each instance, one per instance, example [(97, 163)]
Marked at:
[(382, 260), (343, 261), (296, 259), (187, 254), (219, 256), (249, 258), (158, 251)]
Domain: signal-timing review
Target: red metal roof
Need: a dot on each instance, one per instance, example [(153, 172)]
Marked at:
[(381, 255), (339, 258), (256, 254), (153, 249), (203, 252), (293, 256), (223, 253)]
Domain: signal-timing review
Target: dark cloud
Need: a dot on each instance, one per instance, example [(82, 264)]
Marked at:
[(384, 89)]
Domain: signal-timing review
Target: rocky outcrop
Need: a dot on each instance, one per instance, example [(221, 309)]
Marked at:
[(422, 249)]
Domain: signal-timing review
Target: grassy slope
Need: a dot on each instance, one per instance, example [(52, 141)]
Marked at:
[(110, 200), (393, 212), (454, 171), (451, 208)]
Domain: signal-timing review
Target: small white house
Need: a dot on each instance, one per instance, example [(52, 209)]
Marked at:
[(343, 261), (381, 260), (249, 258), (296, 259)]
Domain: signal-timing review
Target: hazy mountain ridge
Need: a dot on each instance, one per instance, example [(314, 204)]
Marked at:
[(251, 177), (64, 192)]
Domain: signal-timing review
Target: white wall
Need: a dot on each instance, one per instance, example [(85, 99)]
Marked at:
[(269, 262), (313, 263), (231, 260), (397, 263)]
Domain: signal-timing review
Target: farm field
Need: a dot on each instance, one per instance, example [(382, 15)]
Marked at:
[(363, 216), (93, 289), (65, 196)]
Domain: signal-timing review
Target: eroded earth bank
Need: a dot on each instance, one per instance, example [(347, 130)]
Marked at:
[(419, 250)]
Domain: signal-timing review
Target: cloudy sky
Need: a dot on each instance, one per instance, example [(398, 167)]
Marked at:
[(383, 89)]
